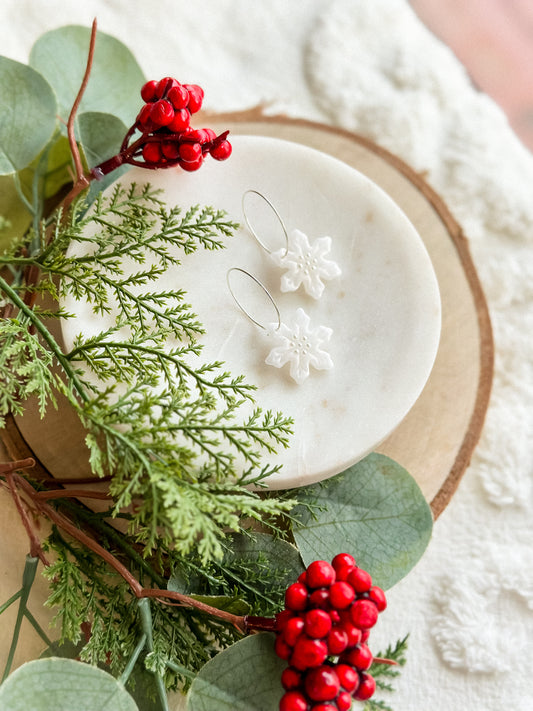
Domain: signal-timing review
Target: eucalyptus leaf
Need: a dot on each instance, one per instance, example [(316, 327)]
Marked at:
[(101, 136), (53, 166), (115, 81), (374, 510), (63, 685), (15, 216), (244, 677), (27, 115)]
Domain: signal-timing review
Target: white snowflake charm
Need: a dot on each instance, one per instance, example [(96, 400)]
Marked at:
[(306, 264), (299, 344)]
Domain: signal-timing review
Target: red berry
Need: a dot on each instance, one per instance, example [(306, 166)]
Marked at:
[(282, 618), (317, 623), (341, 595), (344, 701), (365, 634), (335, 617), (290, 678), (366, 687), (296, 597), (201, 135), (192, 165), (348, 677), (343, 560), (180, 121), (293, 630), (352, 632), (148, 91), (164, 86), (196, 97), (190, 152), (325, 707), (162, 113), (320, 574), (282, 649), (378, 597), (293, 701), (178, 96), (222, 150), (302, 578), (152, 152), (143, 118), (337, 641), (170, 150), (360, 580), (322, 684), (308, 653), (364, 614), (360, 657), (319, 598)]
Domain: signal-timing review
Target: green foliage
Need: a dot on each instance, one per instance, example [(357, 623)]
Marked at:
[(256, 569), (61, 56), (375, 510), (25, 369), (225, 682), (167, 426), (27, 115), (63, 684)]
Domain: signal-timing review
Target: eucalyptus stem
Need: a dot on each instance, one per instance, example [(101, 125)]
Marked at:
[(28, 577), (132, 661), (11, 600), (146, 624), (37, 627)]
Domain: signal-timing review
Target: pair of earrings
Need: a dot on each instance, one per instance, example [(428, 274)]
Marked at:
[(295, 341)]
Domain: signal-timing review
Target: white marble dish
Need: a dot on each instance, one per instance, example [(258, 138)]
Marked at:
[(384, 308)]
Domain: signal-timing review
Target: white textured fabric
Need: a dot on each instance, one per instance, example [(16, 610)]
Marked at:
[(371, 66)]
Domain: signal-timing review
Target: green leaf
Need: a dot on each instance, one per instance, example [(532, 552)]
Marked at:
[(27, 115), (375, 510), (101, 136), (116, 78), (53, 166), (63, 685), (245, 677), (15, 217)]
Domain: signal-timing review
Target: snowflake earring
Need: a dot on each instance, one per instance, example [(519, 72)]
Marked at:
[(295, 342), (304, 263)]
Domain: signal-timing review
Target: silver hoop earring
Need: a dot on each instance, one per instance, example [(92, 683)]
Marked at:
[(295, 341), (304, 263)]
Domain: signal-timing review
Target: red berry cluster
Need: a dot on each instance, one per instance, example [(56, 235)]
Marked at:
[(322, 633), (168, 138)]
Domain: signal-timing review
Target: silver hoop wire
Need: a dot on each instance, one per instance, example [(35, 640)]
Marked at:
[(254, 233), (263, 287)]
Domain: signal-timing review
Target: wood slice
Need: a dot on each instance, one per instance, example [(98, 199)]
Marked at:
[(434, 442)]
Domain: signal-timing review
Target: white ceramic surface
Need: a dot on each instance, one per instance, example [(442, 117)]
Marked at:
[(384, 309)]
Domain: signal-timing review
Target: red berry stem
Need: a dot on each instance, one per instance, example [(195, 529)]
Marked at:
[(260, 624)]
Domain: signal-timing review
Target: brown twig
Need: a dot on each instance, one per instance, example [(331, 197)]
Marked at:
[(70, 494), (383, 660), (81, 179), (8, 469), (245, 624)]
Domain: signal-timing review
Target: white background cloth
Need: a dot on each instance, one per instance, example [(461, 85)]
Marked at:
[(371, 66)]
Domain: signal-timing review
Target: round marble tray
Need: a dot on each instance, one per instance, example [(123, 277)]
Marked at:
[(436, 439)]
